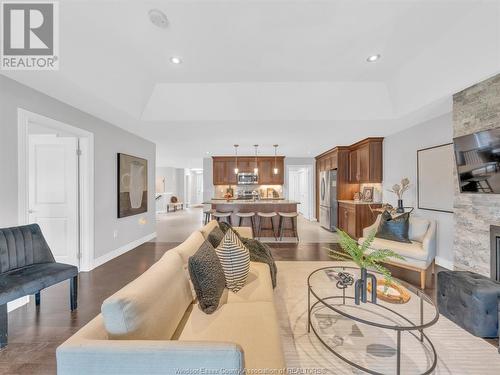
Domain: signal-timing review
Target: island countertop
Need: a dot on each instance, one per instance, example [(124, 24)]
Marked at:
[(250, 201), (235, 206)]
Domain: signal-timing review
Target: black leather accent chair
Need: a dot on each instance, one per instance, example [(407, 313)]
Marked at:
[(26, 267)]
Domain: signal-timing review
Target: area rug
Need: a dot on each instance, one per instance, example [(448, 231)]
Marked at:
[(458, 351)]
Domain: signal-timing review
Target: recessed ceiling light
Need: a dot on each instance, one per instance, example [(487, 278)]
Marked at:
[(373, 58), (158, 18), (175, 60)]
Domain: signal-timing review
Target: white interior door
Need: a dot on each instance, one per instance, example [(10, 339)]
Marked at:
[(304, 192), (53, 193), (199, 188)]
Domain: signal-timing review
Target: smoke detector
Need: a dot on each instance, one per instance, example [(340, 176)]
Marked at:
[(158, 18)]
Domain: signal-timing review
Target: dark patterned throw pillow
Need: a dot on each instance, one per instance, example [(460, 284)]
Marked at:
[(207, 277), (215, 237)]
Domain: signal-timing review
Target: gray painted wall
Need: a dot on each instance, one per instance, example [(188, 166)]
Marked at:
[(400, 160), (168, 173), (474, 109), (208, 186), (108, 141)]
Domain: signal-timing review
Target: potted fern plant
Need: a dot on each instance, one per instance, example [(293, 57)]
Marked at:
[(364, 259)]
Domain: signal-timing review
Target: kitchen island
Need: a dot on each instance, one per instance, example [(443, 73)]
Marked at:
[(260, 205)]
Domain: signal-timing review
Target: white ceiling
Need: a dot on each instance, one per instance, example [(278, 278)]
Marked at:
[(287, 72)]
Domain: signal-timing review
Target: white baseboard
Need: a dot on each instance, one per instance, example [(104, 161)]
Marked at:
[(445, 263), (122, 250), (17, 303)]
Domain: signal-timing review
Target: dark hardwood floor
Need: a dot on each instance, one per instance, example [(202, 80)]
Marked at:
[(34, 334)]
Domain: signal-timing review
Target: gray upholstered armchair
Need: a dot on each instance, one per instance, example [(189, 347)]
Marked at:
[(26, 267)]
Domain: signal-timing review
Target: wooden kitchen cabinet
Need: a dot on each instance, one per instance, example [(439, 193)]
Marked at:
[(365, 161), (223, 169), (353, 217), (219, 172), (246, 164), (347, 219), (266, 171), (279, 178)]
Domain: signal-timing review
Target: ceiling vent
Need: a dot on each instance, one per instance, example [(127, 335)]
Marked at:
[(158, 18)]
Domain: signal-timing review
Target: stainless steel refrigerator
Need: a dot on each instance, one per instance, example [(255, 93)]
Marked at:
[(328, 199)]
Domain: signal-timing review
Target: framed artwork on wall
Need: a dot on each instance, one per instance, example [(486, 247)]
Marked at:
[(132, 185), (435, 182), (368, 194)]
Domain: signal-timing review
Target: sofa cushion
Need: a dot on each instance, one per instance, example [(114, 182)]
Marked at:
[(28, 280), (258, 286), (412, 250), (418, 228), (235, 260), (207, 277), (151, 306), (394, 228), (208, 228), (253, 326), (189, 246)]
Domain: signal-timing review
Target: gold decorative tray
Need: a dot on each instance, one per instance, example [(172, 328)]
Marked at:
[(395, 293)]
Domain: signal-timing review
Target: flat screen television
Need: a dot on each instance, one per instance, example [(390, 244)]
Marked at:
[(478, 162)]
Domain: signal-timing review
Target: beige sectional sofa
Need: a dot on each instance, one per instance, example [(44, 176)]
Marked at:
[(154, 326)]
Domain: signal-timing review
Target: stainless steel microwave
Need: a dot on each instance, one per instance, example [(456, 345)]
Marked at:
[(248, 179)]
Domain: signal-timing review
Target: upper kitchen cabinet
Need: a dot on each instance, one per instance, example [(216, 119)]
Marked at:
[(327, 160), (246, 164), (279, 178), (266, 170), (219, 171), (223, 169), (365, 161)]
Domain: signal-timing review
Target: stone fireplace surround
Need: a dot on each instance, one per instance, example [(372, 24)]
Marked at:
[(474, 109)]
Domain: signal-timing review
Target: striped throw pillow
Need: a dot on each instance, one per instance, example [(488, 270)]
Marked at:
[(235, 260)]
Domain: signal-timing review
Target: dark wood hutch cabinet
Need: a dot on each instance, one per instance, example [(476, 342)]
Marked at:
[(355, 164)]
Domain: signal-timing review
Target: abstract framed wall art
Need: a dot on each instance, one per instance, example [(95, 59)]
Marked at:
[(132, 185)]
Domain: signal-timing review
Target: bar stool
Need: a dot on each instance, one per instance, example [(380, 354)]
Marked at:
[(206, 215), (223, 215), (243, 215), (264, 215), (293, 218)]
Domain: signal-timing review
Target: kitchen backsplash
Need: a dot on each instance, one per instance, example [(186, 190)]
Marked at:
[(265, 191)]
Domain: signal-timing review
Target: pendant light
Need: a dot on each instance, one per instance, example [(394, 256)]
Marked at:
[(236, 170), (256, 169), (275, 170)]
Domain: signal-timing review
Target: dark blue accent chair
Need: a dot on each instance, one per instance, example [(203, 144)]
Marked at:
[(26, 267)]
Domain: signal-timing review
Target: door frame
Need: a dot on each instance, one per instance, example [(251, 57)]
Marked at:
[(310, 176), (85, 177)]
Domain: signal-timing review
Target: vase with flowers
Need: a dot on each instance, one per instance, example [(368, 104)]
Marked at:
[(399, 190), (365, 258)]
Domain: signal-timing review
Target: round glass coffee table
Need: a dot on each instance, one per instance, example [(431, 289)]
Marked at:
[(379, 338)]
